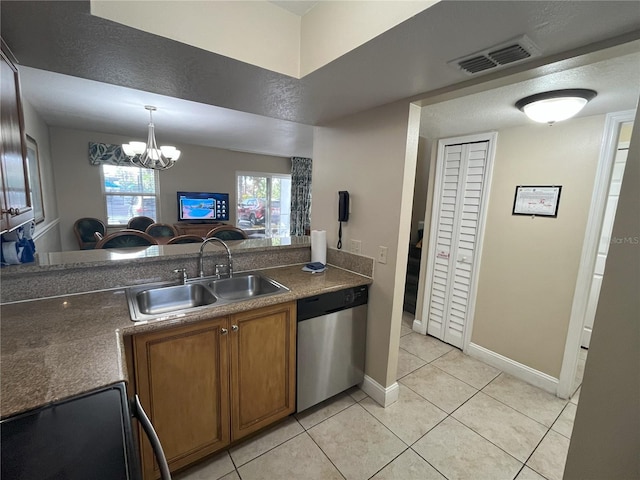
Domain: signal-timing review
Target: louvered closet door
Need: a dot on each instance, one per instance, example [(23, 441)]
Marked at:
[(456, 238)]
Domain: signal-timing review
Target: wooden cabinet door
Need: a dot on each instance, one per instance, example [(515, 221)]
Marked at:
[(263, 367), (182, 378), (16, 198)]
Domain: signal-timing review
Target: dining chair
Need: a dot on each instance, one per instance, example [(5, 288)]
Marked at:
[(125, 239), (161, 230), (227, 232), (185, 239), (85, 229), (140, 223)]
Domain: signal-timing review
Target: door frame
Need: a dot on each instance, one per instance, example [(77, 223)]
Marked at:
[(421, 325), (608, 148)]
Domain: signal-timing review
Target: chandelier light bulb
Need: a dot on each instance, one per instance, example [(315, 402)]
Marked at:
[(148, 155)]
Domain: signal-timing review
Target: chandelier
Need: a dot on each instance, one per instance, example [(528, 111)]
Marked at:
[(555, 106), (148, 155)]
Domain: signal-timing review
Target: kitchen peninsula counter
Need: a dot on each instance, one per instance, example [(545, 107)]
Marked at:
[(59, 347)]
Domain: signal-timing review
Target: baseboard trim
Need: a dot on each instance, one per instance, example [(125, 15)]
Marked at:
[(39, 232), (381, 395), (419, 326), (518, 370)]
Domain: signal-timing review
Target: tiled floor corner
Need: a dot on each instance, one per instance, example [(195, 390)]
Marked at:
[(455, 418)]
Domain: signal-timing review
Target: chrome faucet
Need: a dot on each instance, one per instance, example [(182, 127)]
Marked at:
[(229, 260)]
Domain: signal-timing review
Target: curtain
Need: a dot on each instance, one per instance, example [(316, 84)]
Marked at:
[(300, 195), (100, 153)]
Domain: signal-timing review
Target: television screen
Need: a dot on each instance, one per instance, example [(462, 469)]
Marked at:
[(203, 207)]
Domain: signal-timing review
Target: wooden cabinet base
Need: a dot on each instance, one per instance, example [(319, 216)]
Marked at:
[(182, 381), (209, 383), (263, 372)]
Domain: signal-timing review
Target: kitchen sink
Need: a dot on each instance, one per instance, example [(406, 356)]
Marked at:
[(244, 287), (160, 300), (178, 297)]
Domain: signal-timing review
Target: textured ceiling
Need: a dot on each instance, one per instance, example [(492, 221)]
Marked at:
[(617, 81), (405, 62)]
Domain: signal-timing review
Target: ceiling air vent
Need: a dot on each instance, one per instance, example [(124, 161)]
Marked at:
[(507, 53)]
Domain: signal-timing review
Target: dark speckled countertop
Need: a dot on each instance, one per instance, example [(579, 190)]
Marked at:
[(56, 348)]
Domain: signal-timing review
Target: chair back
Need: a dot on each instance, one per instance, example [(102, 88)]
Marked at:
[(227, 232), (140, 223), (85, 229), (161, 230), (185, 239), (126, 239)]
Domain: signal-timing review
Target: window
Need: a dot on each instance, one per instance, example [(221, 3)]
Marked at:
[(264, 203), (129, 192)]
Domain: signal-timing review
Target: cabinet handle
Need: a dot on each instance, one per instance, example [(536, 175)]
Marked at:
[(234, 328), (223, 331), (12, 211)]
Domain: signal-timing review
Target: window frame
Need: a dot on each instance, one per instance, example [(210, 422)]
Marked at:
[(269, 176), (105, 194)]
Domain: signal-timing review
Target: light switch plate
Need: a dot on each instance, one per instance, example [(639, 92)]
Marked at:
[(356, 246), (382, 254)]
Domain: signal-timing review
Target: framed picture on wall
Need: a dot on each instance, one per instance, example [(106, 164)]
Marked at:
[(35, 184), (537, 200)]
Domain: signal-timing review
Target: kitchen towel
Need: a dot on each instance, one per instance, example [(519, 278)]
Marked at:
[(319, 246)]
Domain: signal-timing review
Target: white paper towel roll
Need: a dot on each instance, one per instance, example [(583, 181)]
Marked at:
[(319, 246)]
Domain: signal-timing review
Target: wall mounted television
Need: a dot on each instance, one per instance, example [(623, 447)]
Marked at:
[(203, 207)]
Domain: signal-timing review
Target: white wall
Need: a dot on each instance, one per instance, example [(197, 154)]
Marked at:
[(373, 156), (606, 434), (47, 234), (79, 191)]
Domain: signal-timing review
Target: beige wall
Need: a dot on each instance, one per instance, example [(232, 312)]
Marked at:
[(256, 32), (529, 265), (47, 234), (606, 434), (199, 169), (332, 29), (421, 186), (366, 154), (263, 34)]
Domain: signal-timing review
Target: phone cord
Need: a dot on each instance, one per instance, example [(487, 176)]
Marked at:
[(340, 236)]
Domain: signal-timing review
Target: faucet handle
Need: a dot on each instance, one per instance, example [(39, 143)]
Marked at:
[(183, 271), (221, 269)]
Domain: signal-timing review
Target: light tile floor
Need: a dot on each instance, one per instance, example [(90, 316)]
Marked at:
[(456, 418)]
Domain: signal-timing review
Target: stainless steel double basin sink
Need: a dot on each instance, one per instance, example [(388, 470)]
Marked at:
[(158, 300)]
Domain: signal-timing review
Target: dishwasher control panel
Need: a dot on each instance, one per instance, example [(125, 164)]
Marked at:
[(332, 302)]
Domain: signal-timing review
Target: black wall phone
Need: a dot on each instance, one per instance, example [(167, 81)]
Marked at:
[(343, 206), (343, 213)]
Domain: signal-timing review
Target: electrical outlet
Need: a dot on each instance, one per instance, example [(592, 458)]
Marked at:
[(382, 254), (356, 246)]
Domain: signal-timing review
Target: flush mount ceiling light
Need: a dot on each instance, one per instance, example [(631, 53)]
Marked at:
[(149, 155), (555, 106)]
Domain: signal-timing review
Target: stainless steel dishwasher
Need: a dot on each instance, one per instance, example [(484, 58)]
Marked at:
[(332, 330)]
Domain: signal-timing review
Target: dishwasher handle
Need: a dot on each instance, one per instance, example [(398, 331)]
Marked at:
[(147, 426)]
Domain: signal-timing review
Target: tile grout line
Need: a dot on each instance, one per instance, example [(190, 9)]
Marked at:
[(523, 413), (325, 453), (428, 462), (330, 416), (269, 450)]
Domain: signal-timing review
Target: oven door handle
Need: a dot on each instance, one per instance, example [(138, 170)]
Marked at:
[(142, 417)]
